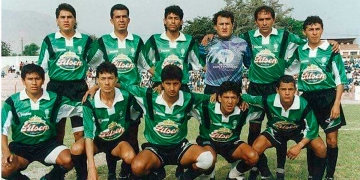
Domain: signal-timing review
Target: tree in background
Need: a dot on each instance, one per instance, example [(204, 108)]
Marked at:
[(5, 49), (31, 50), (244, 18)]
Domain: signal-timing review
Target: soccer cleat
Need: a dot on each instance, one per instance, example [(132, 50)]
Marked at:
[(241, 177), (253, 174), (280, 176), (123, 175), (179, 171), (111, 176), (329, 178)]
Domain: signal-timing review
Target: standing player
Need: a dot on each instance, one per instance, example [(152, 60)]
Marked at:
[(172, 47), (225, 54), (321, 79), (289, 118), (166, 118), (106, 121), (32, 115), (220, 128), (123, 49), (64, 55)]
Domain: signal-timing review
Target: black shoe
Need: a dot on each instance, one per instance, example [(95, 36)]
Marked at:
[(253, 174), (329, 178), (280, 176), (112, 176), (237, 178), (179, 171)]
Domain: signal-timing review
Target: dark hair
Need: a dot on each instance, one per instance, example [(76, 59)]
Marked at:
[(312, 20), (264, 8), (32, 68), (119, 7), (176, 10), (65, 7), (223, 13), (286, 79), (171, 72), (227, 86), (106, 67)]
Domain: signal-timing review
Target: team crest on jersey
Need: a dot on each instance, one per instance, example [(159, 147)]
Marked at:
[(172, 59), (123, 63), (69, 61), (221, 135), (225, 56), (313, 75), (113, 131), (167, 129), (35, 126), (265, 59), (276, 46), (182, 51), (286, 126), (323, 61)]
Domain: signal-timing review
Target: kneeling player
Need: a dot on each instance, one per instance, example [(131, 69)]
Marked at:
[(220, 128), (166, 117), (32, 115), (289, 118), (106, 121)]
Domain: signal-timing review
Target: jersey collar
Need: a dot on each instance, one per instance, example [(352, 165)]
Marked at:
[(295, 105), (274, 31), (99, 104), (180, 38), (129, 36), (225, 119), (59, 35), (24, 96), (323, 46), (179, 102)]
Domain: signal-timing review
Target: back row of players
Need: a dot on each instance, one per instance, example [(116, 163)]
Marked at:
[(109, 121)]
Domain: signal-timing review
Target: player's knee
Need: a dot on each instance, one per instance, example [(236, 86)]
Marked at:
[(205, 160), (78, 148), (253, 158), (331, 142), (138, 168), (128, 157)]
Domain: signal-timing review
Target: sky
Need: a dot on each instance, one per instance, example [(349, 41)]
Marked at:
[(340, 18)]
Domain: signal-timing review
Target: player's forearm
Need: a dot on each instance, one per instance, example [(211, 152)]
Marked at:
[(339, 91), (303, 142), (4, 144), (89, 147)]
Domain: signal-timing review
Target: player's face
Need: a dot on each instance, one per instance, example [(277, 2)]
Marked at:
[(120, 20), (223, 27), (287, 93), (33, 84), (171, 88), (228, 102), (107, 82), (173, 22), (264, 22), (66, 21), (313, 33)]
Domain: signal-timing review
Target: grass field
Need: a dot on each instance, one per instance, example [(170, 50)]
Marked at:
[(348, 166)]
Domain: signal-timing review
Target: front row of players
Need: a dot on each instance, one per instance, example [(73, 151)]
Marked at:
[(32, 115)]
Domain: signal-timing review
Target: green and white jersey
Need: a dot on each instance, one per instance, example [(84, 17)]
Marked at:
[(108, 123), (159, 51), (217, 127), (165, 125), (268, 54), (126, 55), (317, 70), (34, 122), (298, 118), (65, 59)]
